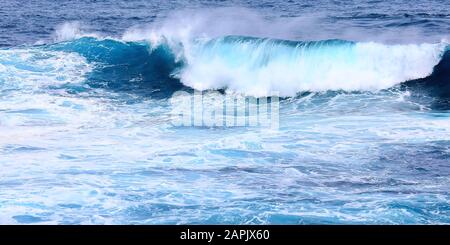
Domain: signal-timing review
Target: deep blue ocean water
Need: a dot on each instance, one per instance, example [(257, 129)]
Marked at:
[(86, 130)]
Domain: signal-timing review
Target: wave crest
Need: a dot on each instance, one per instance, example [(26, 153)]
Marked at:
[(259, 67)]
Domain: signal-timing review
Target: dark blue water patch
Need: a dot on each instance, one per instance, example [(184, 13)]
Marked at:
[(232, 170), (143, 195), (415, 162), (434, 89), (66, 157), (407, 23), (28, 219), (370, 16), (22, 148), (70, 206), (74, 171), (28, 111), (348, 184), (11, 183), (186, 154), (139, 173)]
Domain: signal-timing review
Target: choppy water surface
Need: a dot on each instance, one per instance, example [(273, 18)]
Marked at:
[(86, 130)]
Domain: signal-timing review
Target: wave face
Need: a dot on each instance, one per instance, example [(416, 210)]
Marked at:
[(255, 66), (436, 86), (126, 66), (245, 65)]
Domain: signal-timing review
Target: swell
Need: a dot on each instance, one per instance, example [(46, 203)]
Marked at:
[(258, 66)]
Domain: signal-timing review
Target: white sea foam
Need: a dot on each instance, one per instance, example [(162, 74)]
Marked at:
[(259, 68), (36, 68)]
